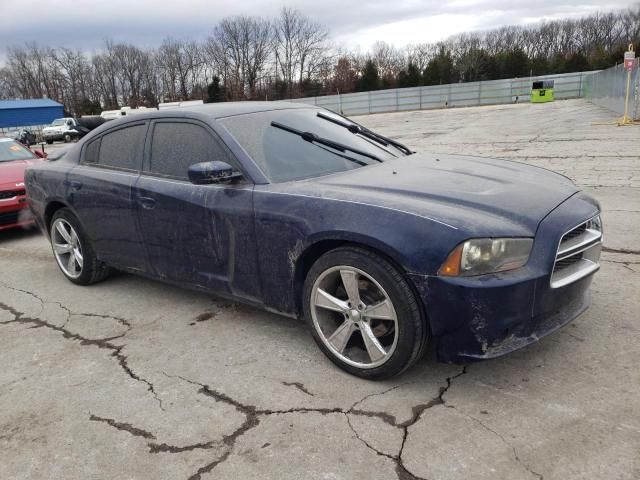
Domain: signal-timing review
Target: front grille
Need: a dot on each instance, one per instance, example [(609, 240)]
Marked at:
[(9, 218), (11, 193), (578, 253), (567, 262), (579, 230)]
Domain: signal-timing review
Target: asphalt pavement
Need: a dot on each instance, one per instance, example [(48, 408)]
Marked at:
[(133, 379)]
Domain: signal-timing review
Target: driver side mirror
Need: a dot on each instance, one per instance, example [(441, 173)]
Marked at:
[(212, 172)]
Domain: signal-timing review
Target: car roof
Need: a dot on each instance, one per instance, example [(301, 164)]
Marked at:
[(217, 110), (229, 109), (212, 110)]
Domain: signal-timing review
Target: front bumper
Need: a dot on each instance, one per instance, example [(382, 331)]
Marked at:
[(15, 213), (490, 315), (53, 135)]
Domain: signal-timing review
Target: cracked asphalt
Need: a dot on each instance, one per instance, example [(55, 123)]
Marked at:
[(134, 379)]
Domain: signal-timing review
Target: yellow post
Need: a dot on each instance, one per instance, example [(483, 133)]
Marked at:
[(625, 120)]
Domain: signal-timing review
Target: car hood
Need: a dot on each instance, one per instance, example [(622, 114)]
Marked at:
[(12, 173), (479, 195)]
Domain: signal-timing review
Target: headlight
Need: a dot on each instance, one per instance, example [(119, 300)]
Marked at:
[(595, 224), (486, 255)]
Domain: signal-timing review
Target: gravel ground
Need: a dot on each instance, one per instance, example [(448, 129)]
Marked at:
[(133, 379)]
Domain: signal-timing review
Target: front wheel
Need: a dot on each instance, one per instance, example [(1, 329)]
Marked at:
[(363, 314), (72, 250)]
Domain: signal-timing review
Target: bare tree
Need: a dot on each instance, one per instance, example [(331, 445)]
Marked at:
[(180, 65), (300, 45), (345, 75), (420, 54), (240, 49), (76, 73), (291, 56), (388, 59), (106, 69)]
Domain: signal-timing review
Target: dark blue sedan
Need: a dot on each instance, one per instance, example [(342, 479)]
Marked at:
[(300, 211)]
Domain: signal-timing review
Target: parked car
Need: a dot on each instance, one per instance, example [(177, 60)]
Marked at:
[(69, 128), (300, 211), (25, 137), (14, 159)]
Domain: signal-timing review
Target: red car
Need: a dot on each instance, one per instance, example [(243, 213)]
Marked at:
[(14, 159)]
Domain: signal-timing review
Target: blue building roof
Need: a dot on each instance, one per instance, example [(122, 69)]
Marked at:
[(24, 113), (31, 103)]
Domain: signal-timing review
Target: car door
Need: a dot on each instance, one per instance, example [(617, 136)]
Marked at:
[(196, 234), (100, 189)]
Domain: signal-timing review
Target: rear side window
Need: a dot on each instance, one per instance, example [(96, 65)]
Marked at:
[(91, 152), (119, 149), (178, 145)]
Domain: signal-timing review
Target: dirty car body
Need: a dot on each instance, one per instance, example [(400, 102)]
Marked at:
[(255, 238)]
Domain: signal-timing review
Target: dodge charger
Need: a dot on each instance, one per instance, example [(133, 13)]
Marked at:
[(383, 251)]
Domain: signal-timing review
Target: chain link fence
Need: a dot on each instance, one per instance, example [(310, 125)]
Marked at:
[(490, 92)]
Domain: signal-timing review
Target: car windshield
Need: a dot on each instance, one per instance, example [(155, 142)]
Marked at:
[(11, 150), (294, 144), (58, 122)]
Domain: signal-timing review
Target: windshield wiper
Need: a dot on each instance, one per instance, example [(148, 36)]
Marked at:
[(313, 138), (365, 132)]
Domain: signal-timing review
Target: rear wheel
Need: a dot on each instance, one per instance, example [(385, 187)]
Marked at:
[(363, 314), (49, 142), (72, 250), (66, 138)]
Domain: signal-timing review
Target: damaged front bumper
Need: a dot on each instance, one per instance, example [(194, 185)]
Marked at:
[(491, 315), (471, 321)]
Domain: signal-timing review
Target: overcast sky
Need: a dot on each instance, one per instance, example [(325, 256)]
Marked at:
[(86, 23)]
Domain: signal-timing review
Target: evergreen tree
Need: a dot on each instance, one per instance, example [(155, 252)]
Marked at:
[(540, 66), (410, 77), (89, 107), (576, 62), (215, 92), (440, 69), (370, 78), (514, 63), (490, 67)]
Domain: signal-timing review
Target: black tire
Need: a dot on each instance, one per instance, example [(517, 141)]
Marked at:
[(49, 142), (411, 324), (93, 270), (66, 138)]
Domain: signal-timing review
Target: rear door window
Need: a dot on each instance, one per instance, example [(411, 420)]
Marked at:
[(91, 151), (120, 149), (175, 146)]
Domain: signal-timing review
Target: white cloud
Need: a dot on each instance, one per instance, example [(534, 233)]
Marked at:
[(86, 23), (412, 31)]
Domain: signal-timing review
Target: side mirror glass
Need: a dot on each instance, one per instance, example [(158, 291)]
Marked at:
[(212, 172)]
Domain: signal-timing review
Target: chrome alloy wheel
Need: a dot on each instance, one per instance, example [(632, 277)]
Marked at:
[(354, 316), (66, 248)]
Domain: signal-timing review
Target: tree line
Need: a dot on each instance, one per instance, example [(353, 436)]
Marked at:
[(291, 55)]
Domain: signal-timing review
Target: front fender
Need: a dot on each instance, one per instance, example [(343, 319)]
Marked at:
[(287, 225)]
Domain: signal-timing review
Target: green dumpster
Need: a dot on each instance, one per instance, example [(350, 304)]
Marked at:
[(542, 91)]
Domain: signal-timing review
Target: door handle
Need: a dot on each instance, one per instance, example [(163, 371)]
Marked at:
[(75, 185), (147, 203)]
